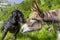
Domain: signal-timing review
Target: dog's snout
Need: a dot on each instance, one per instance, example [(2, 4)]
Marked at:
[(22, 30)]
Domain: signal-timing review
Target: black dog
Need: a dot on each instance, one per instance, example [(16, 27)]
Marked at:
[(13, 23)]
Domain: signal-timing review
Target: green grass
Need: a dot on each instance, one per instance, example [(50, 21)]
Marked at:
[(42, 34)]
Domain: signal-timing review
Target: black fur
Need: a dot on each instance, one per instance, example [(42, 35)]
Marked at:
[(13, 23)]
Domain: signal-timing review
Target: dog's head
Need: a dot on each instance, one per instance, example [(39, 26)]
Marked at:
[(17, 16)]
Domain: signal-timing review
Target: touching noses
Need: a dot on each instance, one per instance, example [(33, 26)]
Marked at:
[(25, 28)]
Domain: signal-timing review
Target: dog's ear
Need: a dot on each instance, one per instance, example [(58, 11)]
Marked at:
[(11, 14)]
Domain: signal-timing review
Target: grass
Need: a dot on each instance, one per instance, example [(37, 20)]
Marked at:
[(42, 34)]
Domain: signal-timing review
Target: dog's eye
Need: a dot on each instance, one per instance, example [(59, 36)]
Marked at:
[(14, 13), (19, 15)]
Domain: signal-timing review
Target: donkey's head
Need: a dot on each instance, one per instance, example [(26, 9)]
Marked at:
[(35, 19), (36, 8), (31, 25)]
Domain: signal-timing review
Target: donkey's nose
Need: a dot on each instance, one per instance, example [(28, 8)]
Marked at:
[(25, 28)]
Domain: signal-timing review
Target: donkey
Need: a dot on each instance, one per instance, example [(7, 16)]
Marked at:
[(34, 21), (43, 17), (13, 23)]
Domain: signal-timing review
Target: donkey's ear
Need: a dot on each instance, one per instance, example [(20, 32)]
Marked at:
[(32, 8), (34, 4)]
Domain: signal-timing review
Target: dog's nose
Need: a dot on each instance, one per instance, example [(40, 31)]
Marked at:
[(22, 29)]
